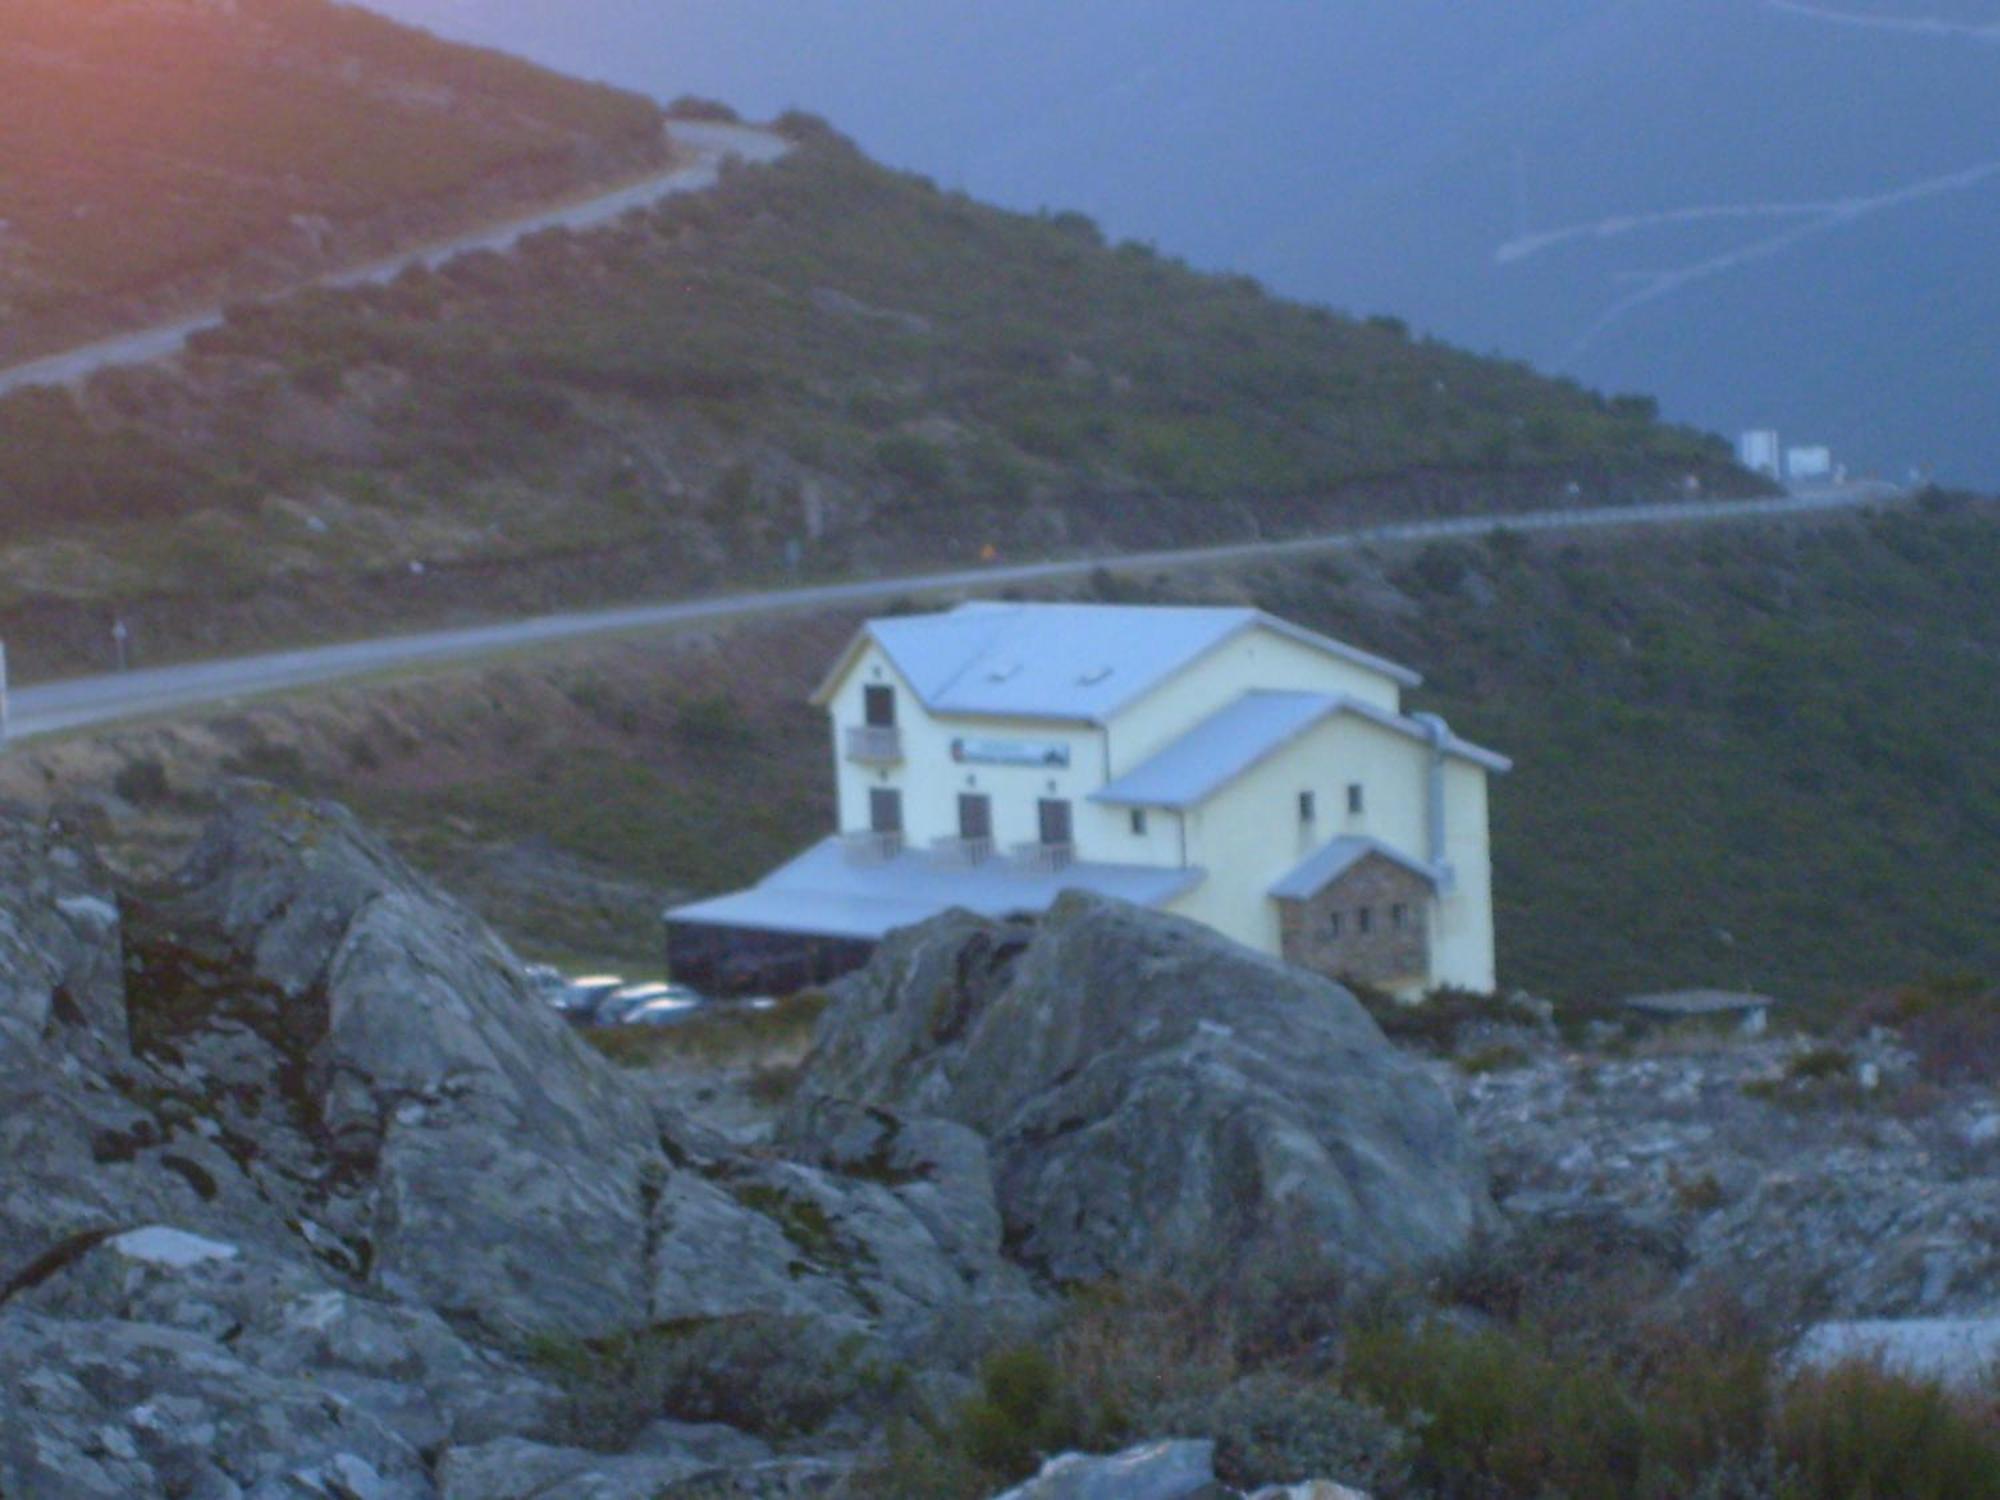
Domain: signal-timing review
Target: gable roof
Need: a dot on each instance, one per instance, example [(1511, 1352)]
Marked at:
[(1234, 739), (1081, 662), (1321, 868)]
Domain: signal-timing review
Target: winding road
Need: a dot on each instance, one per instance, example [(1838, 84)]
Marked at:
[(82, 702), (703, 147)]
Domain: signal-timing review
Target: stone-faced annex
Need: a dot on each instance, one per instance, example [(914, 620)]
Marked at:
[(1218, 763)]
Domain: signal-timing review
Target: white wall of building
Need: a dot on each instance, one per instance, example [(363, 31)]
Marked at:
[(1462, 930), (1251, 830), (1246, 836), (1260, 658)]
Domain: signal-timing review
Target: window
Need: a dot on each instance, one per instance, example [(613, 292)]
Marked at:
[(1364, 919), (878, 706), (1354, 798), (885, 810), (1053, 816), (1399, 916), (975, 815), (1306, 810), (1334, 925), (1139, 822)]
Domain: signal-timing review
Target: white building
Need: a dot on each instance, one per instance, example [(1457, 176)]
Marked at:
[(1217, 763), (1757, 450), (1809, 464)]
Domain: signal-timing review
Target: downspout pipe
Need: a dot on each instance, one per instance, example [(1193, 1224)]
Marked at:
[(1438, 734)]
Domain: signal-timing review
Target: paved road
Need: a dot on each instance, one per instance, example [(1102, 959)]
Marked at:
[(85, 701), (708, 145)]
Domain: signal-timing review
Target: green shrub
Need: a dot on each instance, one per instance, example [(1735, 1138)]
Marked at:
[(1819, 1064), (1435, 1023), (1952, 1024), (774, 1376), (1859, 1433), (1278, 1429), (1023, 1413), (1502, 1413)]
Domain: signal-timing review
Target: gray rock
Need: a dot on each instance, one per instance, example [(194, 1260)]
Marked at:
[(128, 1410), (1825, 1202), (1157, 1471), (505, 1173), (1155, 1099), (61, 970), (1963, 1353), (514, 1469)]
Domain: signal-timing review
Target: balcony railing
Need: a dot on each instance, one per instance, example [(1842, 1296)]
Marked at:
[(874, 744), (958, 850), (1044, 859), (871, 847)]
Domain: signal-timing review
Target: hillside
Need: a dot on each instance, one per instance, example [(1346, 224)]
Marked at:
[(821, 367), (1761, 211), (1747, 757), (164, 154)]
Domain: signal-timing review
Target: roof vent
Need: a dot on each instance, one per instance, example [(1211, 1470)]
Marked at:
[(1002, 672), (1094, 676)]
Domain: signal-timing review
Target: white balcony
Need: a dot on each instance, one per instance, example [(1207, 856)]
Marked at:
[(875, 744), (871, 847), (961, 853), (1044, 859)]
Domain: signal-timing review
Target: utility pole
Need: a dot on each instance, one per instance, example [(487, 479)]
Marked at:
[(119, 636), (3, 692)]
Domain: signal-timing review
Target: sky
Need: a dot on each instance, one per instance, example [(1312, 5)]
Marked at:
[(1766, 212)]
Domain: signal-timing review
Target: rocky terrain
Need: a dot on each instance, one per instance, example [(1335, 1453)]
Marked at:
[(305, 1192), (1833, 1183)]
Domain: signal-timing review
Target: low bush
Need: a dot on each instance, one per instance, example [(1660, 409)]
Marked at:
[(1860, 1433), (1437, 1022), (1952, 1024), (1277, 1429), (1820, 1064), (773, 1376)]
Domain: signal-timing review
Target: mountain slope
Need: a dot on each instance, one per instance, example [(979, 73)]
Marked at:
[(1417, 156), (162, 151), (821, 366)]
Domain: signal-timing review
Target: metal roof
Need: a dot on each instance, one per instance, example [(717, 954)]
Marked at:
[(1219, 749), (1320, 869), (824, 894), (1234, 739), (1081, 662)]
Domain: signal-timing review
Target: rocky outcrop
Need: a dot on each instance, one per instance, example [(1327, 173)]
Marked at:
[(1819, 1183), (300, 1174), (1154, 1099)]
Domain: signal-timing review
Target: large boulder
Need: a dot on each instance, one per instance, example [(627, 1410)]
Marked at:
[(1155, 1099), (474, 1156), (288, 1141)]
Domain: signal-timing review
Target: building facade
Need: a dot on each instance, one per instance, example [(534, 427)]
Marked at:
[(1217, 763)]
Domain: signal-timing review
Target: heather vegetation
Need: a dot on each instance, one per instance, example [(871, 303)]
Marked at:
[(822, 365), (1539, 1367), (150, 144), (1751, 759)]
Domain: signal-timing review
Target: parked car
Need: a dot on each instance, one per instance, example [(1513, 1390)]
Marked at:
[(625, 1006), (582, 999), (677, 1004)]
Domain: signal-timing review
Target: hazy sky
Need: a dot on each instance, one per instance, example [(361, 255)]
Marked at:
[(1766, 211)]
